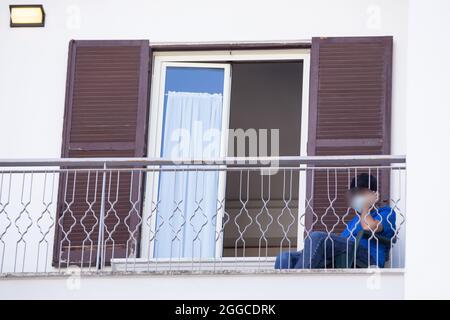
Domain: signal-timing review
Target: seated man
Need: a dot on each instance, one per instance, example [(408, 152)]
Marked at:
[(321, 247)]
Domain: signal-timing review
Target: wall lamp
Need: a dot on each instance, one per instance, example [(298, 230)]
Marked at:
[(22, 15)]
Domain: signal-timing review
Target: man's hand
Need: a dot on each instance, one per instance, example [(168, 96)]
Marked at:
[(368, 223), (371, 200)]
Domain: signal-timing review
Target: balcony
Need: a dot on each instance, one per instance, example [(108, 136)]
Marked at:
[(132, 215)]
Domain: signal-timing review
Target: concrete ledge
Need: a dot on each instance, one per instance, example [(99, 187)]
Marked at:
[(176, 273), (282, 285)]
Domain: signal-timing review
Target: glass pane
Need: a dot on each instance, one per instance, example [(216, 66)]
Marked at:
[(192, 79)]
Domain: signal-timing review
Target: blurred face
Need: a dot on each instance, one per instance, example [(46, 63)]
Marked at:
[(362, 199)]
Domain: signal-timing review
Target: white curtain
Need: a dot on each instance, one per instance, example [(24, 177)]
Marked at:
[(187, 209)]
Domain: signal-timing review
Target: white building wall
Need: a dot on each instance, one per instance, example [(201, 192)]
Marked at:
[(32, 87), (428, 117)]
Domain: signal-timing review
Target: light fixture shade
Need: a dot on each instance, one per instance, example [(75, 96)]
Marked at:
[(32, 15)]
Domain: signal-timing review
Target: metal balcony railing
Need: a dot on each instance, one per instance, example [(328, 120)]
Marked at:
[(144, 215)]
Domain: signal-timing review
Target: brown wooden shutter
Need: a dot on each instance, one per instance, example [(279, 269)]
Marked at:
[(105, 116), (350, 114)]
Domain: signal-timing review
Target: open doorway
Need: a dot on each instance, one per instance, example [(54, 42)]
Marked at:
[(263, 90), (264, 95)]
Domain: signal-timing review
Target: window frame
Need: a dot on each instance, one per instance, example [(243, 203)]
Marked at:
[(160, 58), (155, 136)]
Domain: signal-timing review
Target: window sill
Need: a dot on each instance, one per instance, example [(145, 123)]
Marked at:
[(226, 266)]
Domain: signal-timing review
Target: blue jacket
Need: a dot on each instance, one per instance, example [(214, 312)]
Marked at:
[(378, 251)]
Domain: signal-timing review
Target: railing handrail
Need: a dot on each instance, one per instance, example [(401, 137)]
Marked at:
[(361, 160)]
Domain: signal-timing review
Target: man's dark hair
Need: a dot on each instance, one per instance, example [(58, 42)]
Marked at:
[(363, 181)]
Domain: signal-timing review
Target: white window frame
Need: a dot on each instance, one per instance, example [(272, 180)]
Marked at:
[(162, 59), (155, 136)]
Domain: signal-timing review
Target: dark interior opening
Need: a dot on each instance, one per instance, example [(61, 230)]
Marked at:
[(264, 95)]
